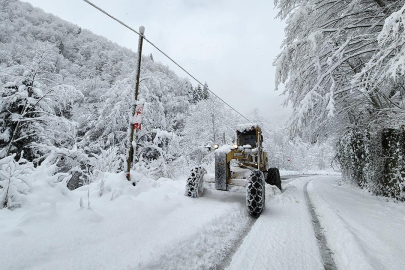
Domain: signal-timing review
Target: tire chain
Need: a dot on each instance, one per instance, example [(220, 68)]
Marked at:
[(194, 184), (255, 193)]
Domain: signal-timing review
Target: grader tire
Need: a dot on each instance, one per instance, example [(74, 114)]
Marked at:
[(273, 177), (255, 193), (194, 184)]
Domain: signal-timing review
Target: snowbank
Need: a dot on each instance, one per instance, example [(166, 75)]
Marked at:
[(114, 225)]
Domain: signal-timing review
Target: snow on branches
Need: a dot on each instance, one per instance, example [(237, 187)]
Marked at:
[(343, 66), (35, 105), (330, 49)]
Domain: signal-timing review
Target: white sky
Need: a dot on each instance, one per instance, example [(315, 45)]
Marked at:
[(230, 44)]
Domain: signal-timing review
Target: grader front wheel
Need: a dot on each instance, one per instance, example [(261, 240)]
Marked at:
[(195, 185), (255, 193)]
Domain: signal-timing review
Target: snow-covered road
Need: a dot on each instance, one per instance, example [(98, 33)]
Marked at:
[(154, 226), (283, 237), (363, 231)]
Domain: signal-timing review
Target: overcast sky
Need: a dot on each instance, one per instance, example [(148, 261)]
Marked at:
[(230, 44)]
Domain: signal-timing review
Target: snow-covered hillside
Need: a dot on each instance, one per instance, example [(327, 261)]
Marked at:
[(66, 95)]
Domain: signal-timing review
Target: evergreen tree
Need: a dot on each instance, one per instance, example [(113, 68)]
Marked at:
[(205, 93), (200, 93), (197, 94)]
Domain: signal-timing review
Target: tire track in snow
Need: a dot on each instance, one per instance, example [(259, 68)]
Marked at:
[(326, 253), (228, 258), (283, 237)]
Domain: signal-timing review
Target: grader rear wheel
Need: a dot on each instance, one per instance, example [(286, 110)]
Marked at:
[(255, 193), (273, 177), (195, 185)]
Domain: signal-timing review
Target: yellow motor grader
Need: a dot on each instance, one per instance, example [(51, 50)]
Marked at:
[(243, 164)]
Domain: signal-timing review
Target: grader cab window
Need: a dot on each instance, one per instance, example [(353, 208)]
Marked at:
[(248, 137)]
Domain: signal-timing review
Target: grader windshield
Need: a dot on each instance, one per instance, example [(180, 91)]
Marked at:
[(248, 137)]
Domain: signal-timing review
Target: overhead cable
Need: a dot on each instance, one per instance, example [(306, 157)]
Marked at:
[(171, 59)]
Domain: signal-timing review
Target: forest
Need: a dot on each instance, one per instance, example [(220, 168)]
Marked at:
[(343, 67), (66, 95), (65, 105)]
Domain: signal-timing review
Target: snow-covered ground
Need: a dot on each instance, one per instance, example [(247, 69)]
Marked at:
[(150, 226), (308, 172), (364, 231), (154, 226)]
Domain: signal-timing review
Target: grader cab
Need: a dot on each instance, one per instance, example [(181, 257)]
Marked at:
[(243, 164)]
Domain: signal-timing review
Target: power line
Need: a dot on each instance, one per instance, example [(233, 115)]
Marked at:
[(112, 17), (195, 78), (171, 59), (133, 30)]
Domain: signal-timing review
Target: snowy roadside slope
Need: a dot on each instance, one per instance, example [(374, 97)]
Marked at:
[(283, 237), (364, 231), (209, 244), (136, 230)]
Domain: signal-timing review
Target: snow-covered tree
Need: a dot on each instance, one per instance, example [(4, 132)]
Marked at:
[(166, 106), (296, 154), (384, 73), (327, 44), (208, 123), (35, 106), (14, 181), (342, 66)]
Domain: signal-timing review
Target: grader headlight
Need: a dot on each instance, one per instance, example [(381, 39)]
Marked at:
[(235, 146), (216, 146)]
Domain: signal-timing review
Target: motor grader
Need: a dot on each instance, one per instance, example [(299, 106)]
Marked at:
[(243, 164)]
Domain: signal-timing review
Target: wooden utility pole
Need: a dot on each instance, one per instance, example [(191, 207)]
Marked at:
[(132, 116)]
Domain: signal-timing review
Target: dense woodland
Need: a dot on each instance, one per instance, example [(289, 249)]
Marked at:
[(66, 97), (343, 67), (65, 103)]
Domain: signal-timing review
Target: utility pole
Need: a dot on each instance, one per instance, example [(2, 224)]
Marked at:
[(132, 116)]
